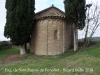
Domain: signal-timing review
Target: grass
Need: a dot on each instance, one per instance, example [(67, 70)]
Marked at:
[(84, 62), (10, 51)]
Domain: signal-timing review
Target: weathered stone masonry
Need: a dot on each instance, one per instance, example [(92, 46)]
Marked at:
[(52, 34)]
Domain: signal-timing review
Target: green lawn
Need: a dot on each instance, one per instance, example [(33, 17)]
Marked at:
[(84, 62)]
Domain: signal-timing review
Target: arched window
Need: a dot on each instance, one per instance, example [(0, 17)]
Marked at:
[(55, 34)]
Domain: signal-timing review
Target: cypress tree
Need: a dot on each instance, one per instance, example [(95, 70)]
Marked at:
[(19, 21), (75, 13)]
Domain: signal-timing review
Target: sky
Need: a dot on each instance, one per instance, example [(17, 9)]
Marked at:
[(39, 5)]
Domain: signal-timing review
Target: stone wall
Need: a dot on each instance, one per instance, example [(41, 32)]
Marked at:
[(51, 37)]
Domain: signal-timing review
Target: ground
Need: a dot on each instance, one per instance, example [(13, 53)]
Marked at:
[(85, 62), (12, 57)]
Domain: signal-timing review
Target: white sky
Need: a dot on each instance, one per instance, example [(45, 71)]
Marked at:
[(40, 5)]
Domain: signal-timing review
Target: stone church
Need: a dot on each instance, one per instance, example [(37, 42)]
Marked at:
[(52, 35)]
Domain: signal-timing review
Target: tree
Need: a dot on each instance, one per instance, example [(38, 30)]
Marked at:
[(75, 13), (92, 21), (19, 21)]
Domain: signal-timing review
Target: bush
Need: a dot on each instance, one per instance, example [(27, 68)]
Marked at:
[(4, 45)]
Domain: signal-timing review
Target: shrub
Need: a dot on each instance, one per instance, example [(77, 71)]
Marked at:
[(4, 45)]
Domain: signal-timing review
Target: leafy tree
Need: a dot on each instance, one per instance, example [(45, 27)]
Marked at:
[(75, 13), (19, 21)]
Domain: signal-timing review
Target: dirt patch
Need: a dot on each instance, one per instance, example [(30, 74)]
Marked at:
[(12, 57)]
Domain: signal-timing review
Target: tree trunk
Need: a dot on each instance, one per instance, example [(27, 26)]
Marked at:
[(75, 33), (25, 46), (87, 29), (22, 49), (86, 35), (89, 39), (30, 44)]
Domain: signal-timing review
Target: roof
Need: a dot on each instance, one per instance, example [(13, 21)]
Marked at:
[(50, 12)]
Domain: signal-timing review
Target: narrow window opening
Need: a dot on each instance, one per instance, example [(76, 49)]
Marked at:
[(55, 34)]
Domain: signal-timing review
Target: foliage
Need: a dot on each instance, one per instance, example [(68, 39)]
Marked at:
[(19, 20), (4, 45), (75, 12)]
